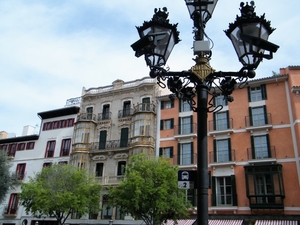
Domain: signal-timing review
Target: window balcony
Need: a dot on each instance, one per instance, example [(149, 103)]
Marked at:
[(144, 107), (108, 145), (220, 126), (18, 177), (185, 130), (104, 116), (221, 158), (185, 160), (258, 122), (80, 147), (110, 180), (86, 117), (10, 211), (258, 155), (123, 113)]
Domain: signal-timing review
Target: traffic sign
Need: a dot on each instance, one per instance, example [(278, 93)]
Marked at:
[(187, 179)]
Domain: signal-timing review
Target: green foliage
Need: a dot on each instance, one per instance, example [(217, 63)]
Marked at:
[(149, 191), (6, 180), (60, 190)]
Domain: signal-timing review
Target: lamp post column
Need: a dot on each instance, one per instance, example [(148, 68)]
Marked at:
[(202, 165)]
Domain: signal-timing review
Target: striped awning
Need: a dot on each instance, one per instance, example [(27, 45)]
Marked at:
[(276, 222), (210, 222), (225, 222)]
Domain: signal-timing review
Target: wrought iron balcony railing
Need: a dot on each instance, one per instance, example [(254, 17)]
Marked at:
[(86, 117), (222, 156), (261, 153), (219, 125), (258, 120), (112, 144), (185, 159), (185, 129), (110, 180), (125, 113), (144, 107), (104, 116)]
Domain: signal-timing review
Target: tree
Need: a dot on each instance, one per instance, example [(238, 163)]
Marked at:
[(6, 179), (149, 191), (60, 190)]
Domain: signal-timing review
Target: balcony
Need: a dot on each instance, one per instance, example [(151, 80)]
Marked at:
[(221, 158), (108, 145), (10, 211), (185, 130), (262, 154), (144, 107), (123, 113), (142, 141), (220, 126), (18, 177), (86, 117), (185, 160), (110, 180), (258, 122), (267, 201), (104, 116), (80, 147)]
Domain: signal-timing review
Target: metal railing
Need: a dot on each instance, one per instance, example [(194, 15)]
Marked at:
[(222, 156), (104, 116), (109, 145), (185, 129), (216, 125), (261, 153), (125, 113), (258, 120), (144, 107)]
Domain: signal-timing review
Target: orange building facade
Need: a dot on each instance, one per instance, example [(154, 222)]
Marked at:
[(253, 147)]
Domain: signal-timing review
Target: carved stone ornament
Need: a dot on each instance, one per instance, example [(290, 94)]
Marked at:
[(99, 158)]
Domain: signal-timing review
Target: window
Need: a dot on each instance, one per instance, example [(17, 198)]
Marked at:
[(56, 124), (142, 125), (65, 147), (167, 124), (146, 104), (224, 191), (166, 152), (30, 145), (121, 168), (185, 153), (48, 164), (258, 116), (257, 93), (63, 123), (106, 209), (222, 151), (70, 122), (20, 171), (185, 125), (192, 196), (124, 138), (12, 149), (184, 106), (221, 120), (89, 113), (105, 112), (264, 186), (167, 104), (102, 139), (260, 146), (126, 108), (220, 100), (47, 126), (50, 149), (12, 204), (3, 147), (21, 146), (99, 169)]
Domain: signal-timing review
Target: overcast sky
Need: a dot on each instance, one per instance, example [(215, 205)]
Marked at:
[(50, 49)]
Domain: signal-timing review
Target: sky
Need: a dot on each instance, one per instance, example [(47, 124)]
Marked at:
[(51, 49)]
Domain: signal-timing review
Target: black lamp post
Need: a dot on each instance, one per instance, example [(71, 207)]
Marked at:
[(249, 34)]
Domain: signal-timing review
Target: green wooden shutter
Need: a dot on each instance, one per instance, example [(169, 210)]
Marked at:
[(172, 102), (178, 153), (228, 119), (192, 152), (172, 123), (162, 104), (102, 139), (161, 124), (160, 152), (229, 149), (233, 190), (250, 116), (124, 137), (215, 121), (179, 125), (265, 114), (249, 93), (191, 121), (180, 102), (263, 91), (213, 195), (171, 152), (268, 145), (215, 150), (252, 147)]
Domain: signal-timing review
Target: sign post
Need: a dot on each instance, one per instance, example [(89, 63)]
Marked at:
[(187, 179)]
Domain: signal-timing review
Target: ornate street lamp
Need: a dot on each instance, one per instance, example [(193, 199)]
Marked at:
[(249, 36)]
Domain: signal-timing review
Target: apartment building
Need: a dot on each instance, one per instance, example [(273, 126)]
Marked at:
[(253, 148), (30, 153), (115, 122)]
